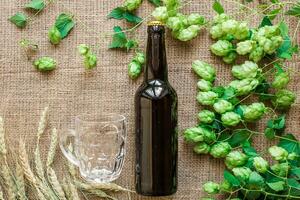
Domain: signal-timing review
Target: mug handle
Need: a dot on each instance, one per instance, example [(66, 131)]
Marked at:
[(68, 150)]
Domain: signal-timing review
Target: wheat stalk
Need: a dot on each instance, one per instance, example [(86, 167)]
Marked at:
[(3, 150), (1, 194), (55, 184), (9, 182), (20, 182), (73, 190), (52, 148), (42, 123), (66, 189), (101, 186)]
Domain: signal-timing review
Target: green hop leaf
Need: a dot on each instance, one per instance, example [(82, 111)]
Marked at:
[(256, 181), (54, 35), (270, 133), (121, 13), (36, 5), (217, 6), (119, 38), (281, 169), (231, 179), (290, 143), (239, 137), (294, 11), (19, 20), (44, 64), (211, 188), (64, 23), (277, 186), (156, 2), (265, 22)]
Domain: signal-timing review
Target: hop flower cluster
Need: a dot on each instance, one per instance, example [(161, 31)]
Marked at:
[(90, 59), (236, 38), (135, 67), (132, 5), (184, 27)]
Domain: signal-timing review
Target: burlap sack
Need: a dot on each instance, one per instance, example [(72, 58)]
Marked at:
[(71, 90)]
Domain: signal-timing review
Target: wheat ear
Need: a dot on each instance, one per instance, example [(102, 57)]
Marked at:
[(3, 150), (1, 194), (66, 189), (37, 157), (9, 182), (52, 148), (20, 182), (52, 178), (101, 186), (73, 190)]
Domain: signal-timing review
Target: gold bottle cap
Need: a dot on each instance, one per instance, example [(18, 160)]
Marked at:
[(155, 23)]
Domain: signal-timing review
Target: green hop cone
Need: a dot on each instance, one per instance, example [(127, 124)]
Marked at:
[(242, 31), (195, 19), (131, 5), (244, 86), (253, 112), (172, 6), (230, 119), (216, 31), (243, 173), (209, 136), (245, 47), (194, 134), (247, 70), (134, 69), (281, 169), (219, 19), (90, 61), (45, 64), (222, 106), (235, 159), (204, 85), (160, 13), (189, 33), (293, 156), (278, 153), (140, 58), (281, 80), (226, 186), (230, 57), (54, 35), (204, 70), (257, 54), (230, 26), (83, 49), (211, 187), (201, 148), (175, 23), (220, 149), (183, 19), (260, 164), (283, 99), (221, 48), (206, 116), (207, 98)]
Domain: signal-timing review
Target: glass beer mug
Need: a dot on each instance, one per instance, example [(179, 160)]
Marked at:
[(96, 145)]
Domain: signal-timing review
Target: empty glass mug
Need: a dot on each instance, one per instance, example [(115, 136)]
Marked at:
[(96, 145)]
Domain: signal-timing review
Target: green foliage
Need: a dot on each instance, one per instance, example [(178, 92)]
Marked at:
[(36, 5), (156, 2), (294, 11), (121, 13), (239, 137), (19, 20), (90, 59), (217, 6), (120, 40), (64, 23)]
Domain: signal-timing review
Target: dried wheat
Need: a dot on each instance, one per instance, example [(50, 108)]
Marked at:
[(20, 182), (101, 186), (3, 150), (100, 193), (66, 189), (55, 184), (42, 123), (52, 148), (71, 167), (9, 182), (1, 194), (73, 190)]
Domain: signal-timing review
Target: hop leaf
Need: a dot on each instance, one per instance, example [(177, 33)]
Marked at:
[(294, 11), (19, 20), (36, 5), (121, 13), (64, 23)]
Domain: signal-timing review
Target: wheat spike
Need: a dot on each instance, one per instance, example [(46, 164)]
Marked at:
[(3, 150), (1, 194), (66, 189), (42, 123), (52, 148), (71, 167), (55, 184), (9, 182), (20, 183), (101, 186), (73, 190)]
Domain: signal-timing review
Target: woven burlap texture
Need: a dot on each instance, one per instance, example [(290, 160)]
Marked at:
[(71, 90)]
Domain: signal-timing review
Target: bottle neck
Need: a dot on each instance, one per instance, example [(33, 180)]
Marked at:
[(156, 66)]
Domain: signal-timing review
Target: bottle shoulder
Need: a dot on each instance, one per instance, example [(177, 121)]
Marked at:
[(156, 89)]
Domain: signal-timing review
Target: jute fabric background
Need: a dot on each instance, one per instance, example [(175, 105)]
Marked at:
[(71, 90)]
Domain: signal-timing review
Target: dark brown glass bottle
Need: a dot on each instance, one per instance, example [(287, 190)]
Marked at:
[(156, 122)]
